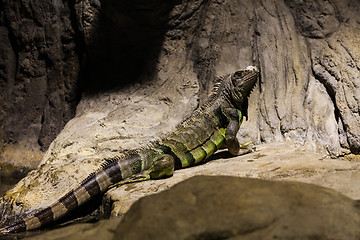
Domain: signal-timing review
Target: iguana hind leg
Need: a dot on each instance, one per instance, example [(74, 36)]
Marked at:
[(162, 167)]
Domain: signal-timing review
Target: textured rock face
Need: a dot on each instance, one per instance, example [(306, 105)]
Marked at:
[(39, 68), (332, 33), (239, 208), (149, 63), (296, 103)]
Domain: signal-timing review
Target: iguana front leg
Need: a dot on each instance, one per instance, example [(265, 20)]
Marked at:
[(162, 167), (235, 119)]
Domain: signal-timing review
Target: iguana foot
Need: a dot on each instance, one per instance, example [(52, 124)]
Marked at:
[(246, 148), (136, 178)]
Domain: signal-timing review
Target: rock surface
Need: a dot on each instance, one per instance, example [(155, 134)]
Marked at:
[(239, 208), (277, 161), (149, 63), (224, 207), (103, 230)]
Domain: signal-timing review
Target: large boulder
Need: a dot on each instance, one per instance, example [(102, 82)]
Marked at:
[(221, 207)]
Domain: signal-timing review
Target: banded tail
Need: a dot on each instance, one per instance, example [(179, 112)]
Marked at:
[(110, 173)]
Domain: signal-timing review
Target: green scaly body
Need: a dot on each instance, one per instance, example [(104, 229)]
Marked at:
[(212, 126)]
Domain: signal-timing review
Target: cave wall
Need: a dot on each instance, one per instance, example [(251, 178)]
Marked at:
[(299, 101), (331, 32), (307, 51), (39, 71)]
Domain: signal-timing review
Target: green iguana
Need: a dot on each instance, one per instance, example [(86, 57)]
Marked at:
[(210, 127)]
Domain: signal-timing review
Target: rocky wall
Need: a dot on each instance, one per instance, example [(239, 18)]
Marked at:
[(40, 59)]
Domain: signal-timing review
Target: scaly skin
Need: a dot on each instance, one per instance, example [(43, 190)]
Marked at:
[(209, 128)]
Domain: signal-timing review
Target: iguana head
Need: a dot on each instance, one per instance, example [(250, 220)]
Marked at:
[(243, 82)]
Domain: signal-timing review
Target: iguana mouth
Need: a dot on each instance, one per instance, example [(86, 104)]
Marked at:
[(255, 75), (256, 72)]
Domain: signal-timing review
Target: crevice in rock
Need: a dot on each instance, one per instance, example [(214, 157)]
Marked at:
[(79, 35), (122, 51), (331, 93), (12, 42), (202, 50)]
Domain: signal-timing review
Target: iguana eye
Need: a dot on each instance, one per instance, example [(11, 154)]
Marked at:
[(240, 74)]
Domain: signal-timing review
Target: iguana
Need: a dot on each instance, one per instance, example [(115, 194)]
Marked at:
[(210, 127)]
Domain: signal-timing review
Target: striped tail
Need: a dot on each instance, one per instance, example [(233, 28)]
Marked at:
[(110, 173)]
